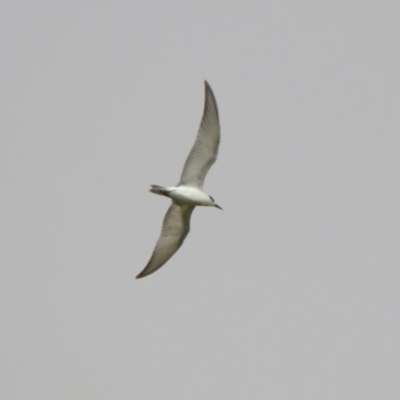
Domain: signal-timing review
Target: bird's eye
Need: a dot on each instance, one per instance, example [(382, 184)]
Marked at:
[(212, 198)]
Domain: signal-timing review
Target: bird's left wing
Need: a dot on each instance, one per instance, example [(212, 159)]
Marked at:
[(205, 149), (175, 228)]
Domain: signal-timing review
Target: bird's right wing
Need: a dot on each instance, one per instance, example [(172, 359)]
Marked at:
[(175, 228), (205, 149)]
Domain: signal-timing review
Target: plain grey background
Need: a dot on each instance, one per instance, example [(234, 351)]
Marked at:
[(291, 292)]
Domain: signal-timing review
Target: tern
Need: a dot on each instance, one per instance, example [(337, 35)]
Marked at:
[(189, 192)]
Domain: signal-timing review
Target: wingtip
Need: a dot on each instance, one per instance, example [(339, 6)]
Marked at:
[(141, 275), (209, 91), (210, 102)]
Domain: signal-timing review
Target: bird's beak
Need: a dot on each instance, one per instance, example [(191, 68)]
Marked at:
[(216, 205)]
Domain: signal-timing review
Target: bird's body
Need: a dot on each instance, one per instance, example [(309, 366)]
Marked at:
[(189, 192), (184, 195)]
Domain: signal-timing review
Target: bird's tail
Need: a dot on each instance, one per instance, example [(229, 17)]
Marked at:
[(161, 190)]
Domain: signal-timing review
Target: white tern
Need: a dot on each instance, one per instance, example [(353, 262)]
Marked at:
[(189, 192)]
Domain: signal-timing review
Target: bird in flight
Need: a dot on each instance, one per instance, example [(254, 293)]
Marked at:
[(189, 192)]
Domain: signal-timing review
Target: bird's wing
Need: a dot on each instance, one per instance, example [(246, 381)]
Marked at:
[(175, 228), (205, 149)]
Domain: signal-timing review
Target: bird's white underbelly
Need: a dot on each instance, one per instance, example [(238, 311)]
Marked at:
[(190, 195)]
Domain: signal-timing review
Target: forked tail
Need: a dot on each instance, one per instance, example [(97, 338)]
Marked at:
[(161, 190)]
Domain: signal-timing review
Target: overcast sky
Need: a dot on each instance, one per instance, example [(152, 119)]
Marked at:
[(291, 292)]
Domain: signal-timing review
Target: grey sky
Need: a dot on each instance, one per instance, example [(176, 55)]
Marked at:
[(292, 292)]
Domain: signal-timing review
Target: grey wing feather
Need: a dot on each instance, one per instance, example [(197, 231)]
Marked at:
[(205, 149), (175, 228)]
